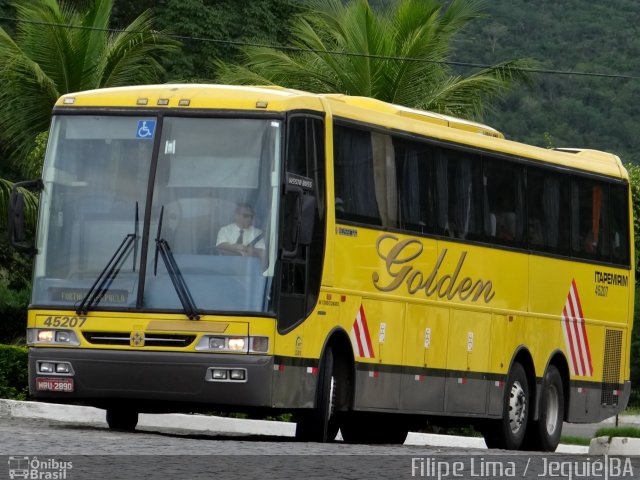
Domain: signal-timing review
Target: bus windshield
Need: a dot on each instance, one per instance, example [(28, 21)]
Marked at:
[(214, 196)]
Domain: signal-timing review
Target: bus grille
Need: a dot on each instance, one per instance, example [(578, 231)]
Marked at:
[(611, 367), (150, 339)]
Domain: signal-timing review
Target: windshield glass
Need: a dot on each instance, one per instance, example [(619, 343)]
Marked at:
[(215, 188), (95, 178)]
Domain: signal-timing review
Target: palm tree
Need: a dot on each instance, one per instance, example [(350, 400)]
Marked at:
[(397, 55), (58, 49)]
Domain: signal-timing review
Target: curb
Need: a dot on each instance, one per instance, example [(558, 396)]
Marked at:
[(615, 446), (219, 425)]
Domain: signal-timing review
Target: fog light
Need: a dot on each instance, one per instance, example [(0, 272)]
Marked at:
[(237, 374), (216, 343), (219, 374), (46, 367), (63, 368)]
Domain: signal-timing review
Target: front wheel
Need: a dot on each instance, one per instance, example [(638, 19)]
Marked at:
[(544, 433), (321, 424), (508, 432)]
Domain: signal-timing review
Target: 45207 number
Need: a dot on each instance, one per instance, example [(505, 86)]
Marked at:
[(65, 321)]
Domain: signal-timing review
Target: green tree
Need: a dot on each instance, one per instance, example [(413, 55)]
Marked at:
[(634, 182), (45, 60), (397, 55)]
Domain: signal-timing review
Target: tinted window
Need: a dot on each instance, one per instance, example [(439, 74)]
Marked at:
[(459, 194), (589, 221), (619, 225), (354, 177), (549, 213), (415, 175), (504, 199)]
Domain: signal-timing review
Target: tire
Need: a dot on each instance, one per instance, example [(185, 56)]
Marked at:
[(544, 433), (374, 428), (321, 423), (508, 432), (122, 419)]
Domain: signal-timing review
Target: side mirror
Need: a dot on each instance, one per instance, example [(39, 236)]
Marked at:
[(299, 214), (17, 221)]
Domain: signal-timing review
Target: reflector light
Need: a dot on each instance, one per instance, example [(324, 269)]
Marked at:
[(163, 101), (262, 104), (184, 102), (142, 101), (69, 100)]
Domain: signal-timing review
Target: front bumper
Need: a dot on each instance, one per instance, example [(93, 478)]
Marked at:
[(146, 378)]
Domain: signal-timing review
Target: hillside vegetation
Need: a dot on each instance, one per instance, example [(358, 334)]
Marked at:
[(572, 35)]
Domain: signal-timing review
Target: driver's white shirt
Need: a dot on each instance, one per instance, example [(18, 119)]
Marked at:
[(230, 233)]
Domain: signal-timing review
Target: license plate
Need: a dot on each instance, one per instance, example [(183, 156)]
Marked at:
[(54, 384)]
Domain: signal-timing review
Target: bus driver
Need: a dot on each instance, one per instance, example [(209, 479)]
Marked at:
[(241, 237)]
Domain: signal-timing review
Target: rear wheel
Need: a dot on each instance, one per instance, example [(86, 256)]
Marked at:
[(544, 433), (509, 431), (119, 418), (321, 423)]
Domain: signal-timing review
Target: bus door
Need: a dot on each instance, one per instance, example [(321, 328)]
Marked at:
[(302, 249)]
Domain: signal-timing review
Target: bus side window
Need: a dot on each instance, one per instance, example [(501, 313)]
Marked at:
[(589, 222), (548, 212), (459, 194), (355, 184), (415, 175), (619, 208), (504, 199)]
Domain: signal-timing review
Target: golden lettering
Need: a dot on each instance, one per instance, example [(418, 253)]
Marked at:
[(397, 261)]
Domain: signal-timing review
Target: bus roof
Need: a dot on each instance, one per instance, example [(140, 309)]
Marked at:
[(363, 109)]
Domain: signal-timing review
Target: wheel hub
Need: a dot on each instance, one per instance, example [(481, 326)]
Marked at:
[(552, 409), (517, 407)]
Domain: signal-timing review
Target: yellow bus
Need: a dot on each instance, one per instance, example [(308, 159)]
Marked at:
[(365, 266)]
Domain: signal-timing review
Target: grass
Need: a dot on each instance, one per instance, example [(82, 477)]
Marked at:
[(631, 411), (632, 432), (571, 440)]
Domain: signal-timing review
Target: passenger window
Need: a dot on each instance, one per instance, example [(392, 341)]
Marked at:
[(504, 200), (459, 194), (619, 225), (548, 213), (415, 178), (589, 226), (355, 186)]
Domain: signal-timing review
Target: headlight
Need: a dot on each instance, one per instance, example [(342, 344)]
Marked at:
[(51, 336), (237, 344), (233, 344)]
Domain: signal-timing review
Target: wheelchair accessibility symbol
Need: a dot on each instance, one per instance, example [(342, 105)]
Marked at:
[(146, 129)]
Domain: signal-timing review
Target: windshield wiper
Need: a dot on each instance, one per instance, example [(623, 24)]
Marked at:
[(162, 246), (111, 270)]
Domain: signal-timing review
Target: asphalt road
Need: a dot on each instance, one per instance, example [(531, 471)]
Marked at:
[(94, 452)]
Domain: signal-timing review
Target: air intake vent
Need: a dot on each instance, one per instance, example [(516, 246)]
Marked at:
[(611, 367), (150, 339)]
